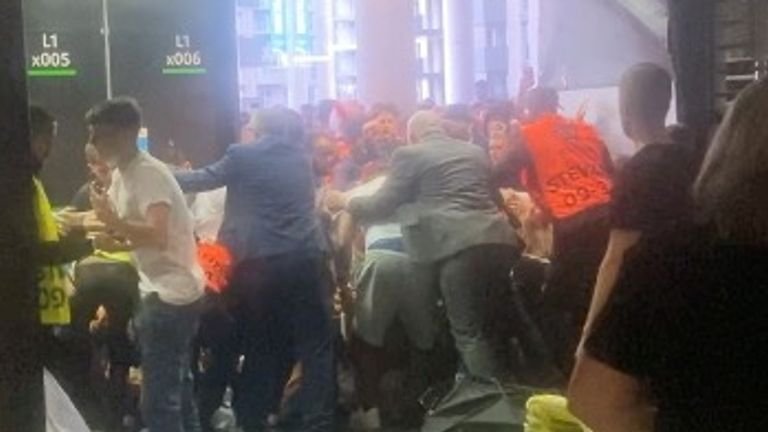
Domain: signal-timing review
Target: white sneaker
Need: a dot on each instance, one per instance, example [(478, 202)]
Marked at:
[(362, 420)]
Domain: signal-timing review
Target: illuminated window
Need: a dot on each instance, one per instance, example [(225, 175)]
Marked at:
[(424, 89), (278, 17), (422, 7), (301, 17)]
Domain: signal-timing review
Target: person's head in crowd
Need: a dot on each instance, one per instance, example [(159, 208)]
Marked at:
[(308, 115), (245, 118), (99, 171), (323, 113), (458, 122), (645, 96), (352, 129), (541, 101), (279, 123), (114, 128), (246, 133), (381, 137), (325, 154), (383, 122), (482, 91), (176, 157), (424, 124), (352, 137), (42, 133), (479, 111), (497, 128), (427, 104), (731, 186)]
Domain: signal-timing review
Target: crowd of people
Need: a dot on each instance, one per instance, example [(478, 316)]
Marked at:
[(497, 242)]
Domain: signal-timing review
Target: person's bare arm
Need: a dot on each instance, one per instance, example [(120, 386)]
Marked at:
[(398, 188), (152, 233), (607, 400), (87, 221), (346, 232), (620, 241)]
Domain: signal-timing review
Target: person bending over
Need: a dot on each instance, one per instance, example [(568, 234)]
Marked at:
[(440, 191)]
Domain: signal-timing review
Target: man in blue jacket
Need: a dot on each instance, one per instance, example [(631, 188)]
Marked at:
[(272, 231)]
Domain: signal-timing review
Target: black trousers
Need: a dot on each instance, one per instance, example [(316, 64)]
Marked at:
[(114, 286), (286, 317), (217, 348), (579, 248)]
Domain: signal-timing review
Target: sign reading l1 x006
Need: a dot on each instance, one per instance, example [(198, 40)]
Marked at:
[(184, 59)]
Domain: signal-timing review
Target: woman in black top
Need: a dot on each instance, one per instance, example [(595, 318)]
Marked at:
[(680, 344)]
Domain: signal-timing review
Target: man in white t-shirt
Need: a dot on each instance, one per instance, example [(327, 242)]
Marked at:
[(145, 212)]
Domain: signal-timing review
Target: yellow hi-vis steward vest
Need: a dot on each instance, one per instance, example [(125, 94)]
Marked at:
[(53, 282)]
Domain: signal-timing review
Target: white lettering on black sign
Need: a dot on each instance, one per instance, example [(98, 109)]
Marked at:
[(52, 56), (184, 56)]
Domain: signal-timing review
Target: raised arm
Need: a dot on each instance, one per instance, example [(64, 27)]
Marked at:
[(205, 179), (399, 188)]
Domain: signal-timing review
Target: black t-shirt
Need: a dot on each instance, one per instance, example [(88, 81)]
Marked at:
[(688, 316), (652, 190)]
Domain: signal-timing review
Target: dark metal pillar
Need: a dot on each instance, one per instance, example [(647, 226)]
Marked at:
[(692, 47), (21, 382)]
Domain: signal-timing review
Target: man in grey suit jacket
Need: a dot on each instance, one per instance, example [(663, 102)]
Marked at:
[(440, 190)]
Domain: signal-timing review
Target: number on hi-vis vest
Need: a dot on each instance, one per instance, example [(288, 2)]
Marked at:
[(52, 59), (184, 60), (53, 300)]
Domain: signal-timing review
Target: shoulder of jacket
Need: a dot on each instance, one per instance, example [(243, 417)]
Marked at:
[(408, 151), (239, 148)]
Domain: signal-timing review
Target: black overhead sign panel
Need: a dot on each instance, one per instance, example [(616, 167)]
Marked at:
[(176, 57), (66, 75), (161, 55)]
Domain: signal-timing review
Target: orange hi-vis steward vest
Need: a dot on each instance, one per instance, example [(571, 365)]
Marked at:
[(568, 174)]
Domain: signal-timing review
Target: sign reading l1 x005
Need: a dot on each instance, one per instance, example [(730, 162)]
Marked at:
[(50, 57)]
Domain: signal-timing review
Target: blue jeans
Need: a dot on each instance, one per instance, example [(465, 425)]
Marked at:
[(165, 334), (286, 319)]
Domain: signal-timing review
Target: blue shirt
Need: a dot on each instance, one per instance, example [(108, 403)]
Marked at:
[(270, 205)]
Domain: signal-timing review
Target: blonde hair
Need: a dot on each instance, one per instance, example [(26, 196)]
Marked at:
[(731, 189)]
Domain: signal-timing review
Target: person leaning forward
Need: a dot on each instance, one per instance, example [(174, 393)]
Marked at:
[(440, 190)]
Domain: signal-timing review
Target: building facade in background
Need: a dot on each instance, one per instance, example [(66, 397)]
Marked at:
[(294, 52), (283, 52)]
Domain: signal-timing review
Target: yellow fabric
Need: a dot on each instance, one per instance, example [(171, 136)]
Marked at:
[(122, 257), (53, 281), (549, 413)]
